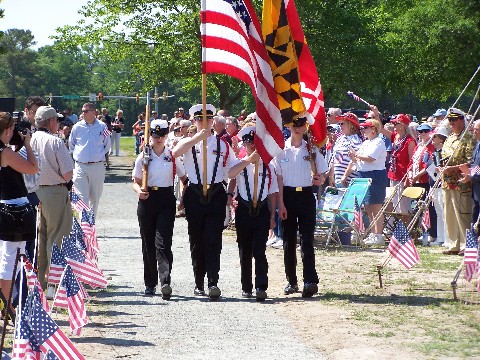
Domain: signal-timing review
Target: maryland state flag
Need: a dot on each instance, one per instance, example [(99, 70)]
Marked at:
[(283, 59), (293, 67)]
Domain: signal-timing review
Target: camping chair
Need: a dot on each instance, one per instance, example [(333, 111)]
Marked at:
[(391, 218), (328, 201), (343, 215)]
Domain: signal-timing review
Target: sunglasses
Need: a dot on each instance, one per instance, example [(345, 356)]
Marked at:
[(85, 111), (423, 131), (453, 119)]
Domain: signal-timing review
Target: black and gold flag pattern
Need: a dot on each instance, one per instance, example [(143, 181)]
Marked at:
[(283, 59)]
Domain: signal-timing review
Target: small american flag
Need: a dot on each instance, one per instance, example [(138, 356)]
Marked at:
[(57, 265), (470, 257), (87, 222), (34, 285), (357, 216), (475, 170), (48, 335), (106, 133), (82, 265), (352, 95), (24, 344), (77, 203), (70, 296), (402, 247), (426, 220), (78, 235)]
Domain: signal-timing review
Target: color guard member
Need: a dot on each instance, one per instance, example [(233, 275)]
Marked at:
[(253, 222), (205, 215), (156, 209), (296, 205)]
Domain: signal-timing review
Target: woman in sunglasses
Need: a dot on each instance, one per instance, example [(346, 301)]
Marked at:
[(156, 222)]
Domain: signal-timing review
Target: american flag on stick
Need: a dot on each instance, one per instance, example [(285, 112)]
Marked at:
[(357, 98), (426, 220), (90, 231), (402, 247), (475, 170), (78, 235), (106, 133), (470, 256), (232, 44), (82, 265), (357, 216), (70, 295), (24, 344), (46, 333), (57, 265), (34, 285), (77, 202)]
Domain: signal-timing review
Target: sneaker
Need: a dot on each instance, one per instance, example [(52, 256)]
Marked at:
[(309, 289), (278, 244), (272, 240), (199, 292), (149, 290), (214, 292), (290, 289), (368, 238), (377, 239), (260, 295), (50, 292), (166, 290), (247, 294)]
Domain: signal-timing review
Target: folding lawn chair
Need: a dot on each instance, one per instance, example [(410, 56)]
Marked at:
[(391, 218), (342, 217), (329, 200)]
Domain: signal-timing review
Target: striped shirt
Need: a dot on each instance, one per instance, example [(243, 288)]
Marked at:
[(340, 155)]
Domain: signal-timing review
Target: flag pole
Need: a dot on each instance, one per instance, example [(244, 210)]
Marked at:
[(255, 186), (204, 149), (146, 145)]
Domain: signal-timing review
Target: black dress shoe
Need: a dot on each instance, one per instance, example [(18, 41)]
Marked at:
[(149, 290), (199, 292), (290, 289), (309, 289), (260, 295), (214, 292), (166, 290), (247, 294)]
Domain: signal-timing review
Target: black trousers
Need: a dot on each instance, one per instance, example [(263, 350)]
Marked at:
[(156, 217), (301, 215), (252, 236), (205, 227)]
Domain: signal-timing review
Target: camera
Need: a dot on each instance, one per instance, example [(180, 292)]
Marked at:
[(22, 127)]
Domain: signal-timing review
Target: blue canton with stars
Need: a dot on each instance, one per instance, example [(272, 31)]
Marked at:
[(472, 240), (57, 256), (88, 217), (241, 10), (71, 251), (70, 283), (400, 233)]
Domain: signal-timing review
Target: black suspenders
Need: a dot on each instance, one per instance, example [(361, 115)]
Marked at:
[(251, 210), (215, 168)]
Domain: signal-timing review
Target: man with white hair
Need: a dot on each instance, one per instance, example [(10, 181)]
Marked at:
[(55, 178), (332, 113), (219, 125)]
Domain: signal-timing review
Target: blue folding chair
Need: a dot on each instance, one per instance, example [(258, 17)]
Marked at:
[(341, 218)]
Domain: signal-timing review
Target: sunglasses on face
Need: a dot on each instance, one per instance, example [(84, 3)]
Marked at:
[(423, 131), (453, 119)]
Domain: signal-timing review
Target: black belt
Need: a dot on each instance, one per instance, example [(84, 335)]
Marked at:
[(90, 162), (157, 188), (298, 189), (211, 191), (62, 184), (249, 204)]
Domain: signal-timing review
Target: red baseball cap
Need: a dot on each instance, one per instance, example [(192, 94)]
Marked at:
[(349, 117), (401, 118)]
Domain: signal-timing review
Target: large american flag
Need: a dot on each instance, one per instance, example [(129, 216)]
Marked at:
[(70, 296), (82, 265), (47, 335), (402, 247), (232, 44), (57, 264), (357, 216), (470, 256)]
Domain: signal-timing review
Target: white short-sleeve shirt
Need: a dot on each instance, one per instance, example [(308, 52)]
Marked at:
[(160, 168)]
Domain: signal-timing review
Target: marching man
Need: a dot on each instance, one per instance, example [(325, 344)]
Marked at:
[(254, 218), (205, 214), (296, 205)]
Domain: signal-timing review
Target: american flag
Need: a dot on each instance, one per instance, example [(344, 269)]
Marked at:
[(70, 296), (311, 87), (48, 335), (357, 216), (354, 96), (57, 265), (24, 344), (78, 235), (77, 203), (87, 222), (106, 133), (426, 220), (402, 247), (232, 44), (82, 265), (475, 170), (470, 256), (34, 285)]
